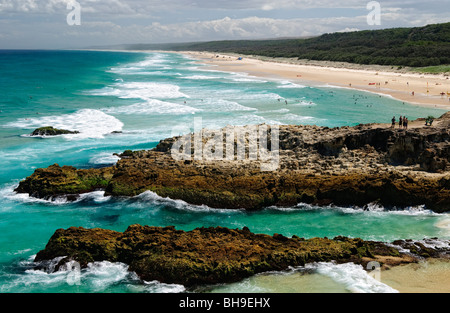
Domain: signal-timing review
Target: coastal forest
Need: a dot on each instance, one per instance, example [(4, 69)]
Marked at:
[(412, 47)]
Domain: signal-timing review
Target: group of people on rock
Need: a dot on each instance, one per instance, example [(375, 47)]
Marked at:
[(402, 122)]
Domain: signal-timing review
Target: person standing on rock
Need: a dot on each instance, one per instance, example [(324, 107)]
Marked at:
[(400, 122), (405, 123), (393, 122)]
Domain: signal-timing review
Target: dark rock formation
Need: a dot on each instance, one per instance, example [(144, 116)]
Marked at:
[(212, 255), (68, 181), (342, 166), (50, 131)]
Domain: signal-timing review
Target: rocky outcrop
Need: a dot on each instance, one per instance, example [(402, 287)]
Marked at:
[(50, 131), (56, 181), (213, 255), (319, 165)]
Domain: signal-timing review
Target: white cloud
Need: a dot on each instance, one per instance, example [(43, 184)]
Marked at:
[(246, 28), (55, 6), (127, 7), (42, 23)]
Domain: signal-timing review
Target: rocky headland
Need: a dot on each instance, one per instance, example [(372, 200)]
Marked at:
[(217, 254), (351, 166)]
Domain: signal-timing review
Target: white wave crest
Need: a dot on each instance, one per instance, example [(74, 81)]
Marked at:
[(158, 287), (8, 193), (222, 105), (153, 198), (288, 84), (88, 122), (352, 276), (200, 77), (153, 106), (151, 62), (104, 158), (248, 80), (141, 90), (101, 276)]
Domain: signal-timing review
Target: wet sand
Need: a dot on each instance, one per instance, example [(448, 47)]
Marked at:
[(427, 277)]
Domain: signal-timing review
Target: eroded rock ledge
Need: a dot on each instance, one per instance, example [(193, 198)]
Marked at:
[(218, 255), (341, 166)]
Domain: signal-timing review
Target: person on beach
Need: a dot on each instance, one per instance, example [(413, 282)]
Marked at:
[(400, 122), (393, 122), (405, 123)]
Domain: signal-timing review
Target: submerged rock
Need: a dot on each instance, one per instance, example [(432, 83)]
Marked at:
[(210, 255), (317, 165), (50, 131)]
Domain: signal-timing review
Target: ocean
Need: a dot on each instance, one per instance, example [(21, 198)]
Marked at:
[(124, 100)]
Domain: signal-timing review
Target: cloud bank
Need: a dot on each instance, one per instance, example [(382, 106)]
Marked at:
[(42, 23)]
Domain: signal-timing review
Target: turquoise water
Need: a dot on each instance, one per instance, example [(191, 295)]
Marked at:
[(143, 98)]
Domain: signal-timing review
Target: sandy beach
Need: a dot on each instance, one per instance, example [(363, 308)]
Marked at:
[(424, 277), (419, 89)]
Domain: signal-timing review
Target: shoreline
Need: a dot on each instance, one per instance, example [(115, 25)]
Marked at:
[(428, 276), (392, 84)]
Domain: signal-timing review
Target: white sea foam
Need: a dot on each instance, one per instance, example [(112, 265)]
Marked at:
[(153, 106), (352, 276), (95, 196), (297, 118), (146, 73), (153, 198), (101, 276), (104, 158), (141, 90), (90, 123), (154, 59), (276, 111), (248, 80), (239, 120), (235, 95), (148, 66), (410, 211), (8, 193), (200, 77), (372, 209), (258, 96), (125, 70), (222, 105), (158, 287), (377, 209), (288, 84), (303, 103)]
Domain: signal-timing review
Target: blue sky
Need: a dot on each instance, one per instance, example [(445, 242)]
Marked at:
[(43, 23)]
